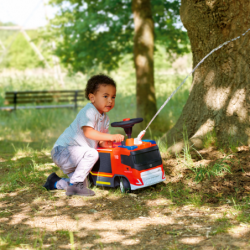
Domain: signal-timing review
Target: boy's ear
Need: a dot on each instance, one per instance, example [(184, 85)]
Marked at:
[(91, 97)]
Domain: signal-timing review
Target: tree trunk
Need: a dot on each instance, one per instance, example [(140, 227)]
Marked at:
[(219, 97), (144, 59)]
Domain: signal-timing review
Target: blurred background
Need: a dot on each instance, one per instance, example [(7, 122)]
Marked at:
[(58, 45)]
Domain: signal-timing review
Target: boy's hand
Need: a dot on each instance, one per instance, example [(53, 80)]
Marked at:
[(105, 144), (117, 138)]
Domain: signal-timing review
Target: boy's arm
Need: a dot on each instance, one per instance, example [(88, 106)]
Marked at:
[(93, 134)]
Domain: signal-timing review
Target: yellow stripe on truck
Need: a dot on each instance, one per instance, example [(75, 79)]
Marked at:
[(102, 182), (101, 175)]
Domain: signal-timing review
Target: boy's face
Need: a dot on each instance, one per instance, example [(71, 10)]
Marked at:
[(104, 98)]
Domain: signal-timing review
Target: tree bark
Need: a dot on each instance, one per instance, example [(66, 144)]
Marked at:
[(219, 97), (144, 59)]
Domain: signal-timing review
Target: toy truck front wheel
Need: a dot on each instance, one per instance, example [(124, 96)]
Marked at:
[(125, 185)]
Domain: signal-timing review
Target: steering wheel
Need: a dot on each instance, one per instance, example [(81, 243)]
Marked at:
[(127, 124)]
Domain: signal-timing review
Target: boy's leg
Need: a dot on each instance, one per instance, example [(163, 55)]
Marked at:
[(62, 184), (85, 182), (85, 158), (54, 181), (85, 164), (51, 181)]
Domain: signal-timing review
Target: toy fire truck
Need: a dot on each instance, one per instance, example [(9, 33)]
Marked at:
[(132, 164)]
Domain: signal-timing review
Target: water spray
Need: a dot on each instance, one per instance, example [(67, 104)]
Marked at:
[(142, 133)]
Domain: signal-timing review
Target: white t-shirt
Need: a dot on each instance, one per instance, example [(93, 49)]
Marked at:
[(88, 116)]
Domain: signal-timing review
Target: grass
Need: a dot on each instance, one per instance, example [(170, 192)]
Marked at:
[(210, 139), (219, 169)]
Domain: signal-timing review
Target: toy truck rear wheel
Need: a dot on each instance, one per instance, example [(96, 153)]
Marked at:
[(125, 185)]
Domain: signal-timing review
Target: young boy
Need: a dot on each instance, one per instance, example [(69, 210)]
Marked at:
[(75, 150)]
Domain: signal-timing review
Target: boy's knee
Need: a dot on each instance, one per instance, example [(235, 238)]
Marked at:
[(93, 154)]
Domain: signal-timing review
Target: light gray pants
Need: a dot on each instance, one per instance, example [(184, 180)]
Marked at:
[(75, 161)]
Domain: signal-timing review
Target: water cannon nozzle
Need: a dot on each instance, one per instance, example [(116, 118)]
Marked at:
[(137, 140)]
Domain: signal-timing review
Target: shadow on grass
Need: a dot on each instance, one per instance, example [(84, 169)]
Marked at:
[(160, 218), (171, 216), (10, 148), (43, 220)]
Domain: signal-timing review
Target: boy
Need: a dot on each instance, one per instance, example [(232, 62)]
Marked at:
[(75, 150)]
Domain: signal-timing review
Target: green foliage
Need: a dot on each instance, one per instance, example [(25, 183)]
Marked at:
[(21, 55), (6, 36), (168, 28), (101, 32), (6, 24), (18, 52), (210, 139)]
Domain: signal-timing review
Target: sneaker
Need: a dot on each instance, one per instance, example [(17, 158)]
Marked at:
[(79, 189), (51, 180)]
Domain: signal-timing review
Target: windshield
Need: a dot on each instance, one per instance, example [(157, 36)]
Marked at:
[(143, 159), (146, 158)]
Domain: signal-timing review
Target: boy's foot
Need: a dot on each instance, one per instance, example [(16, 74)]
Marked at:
[(51, 180), (79, 189)]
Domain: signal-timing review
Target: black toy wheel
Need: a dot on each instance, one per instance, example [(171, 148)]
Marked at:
[(125, 185)]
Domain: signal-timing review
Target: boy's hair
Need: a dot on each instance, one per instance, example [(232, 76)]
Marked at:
[(95, 81)]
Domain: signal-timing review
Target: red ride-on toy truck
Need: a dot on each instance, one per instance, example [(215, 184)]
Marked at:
[(132, 164)]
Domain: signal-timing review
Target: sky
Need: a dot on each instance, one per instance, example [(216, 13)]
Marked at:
[(26, 13)]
